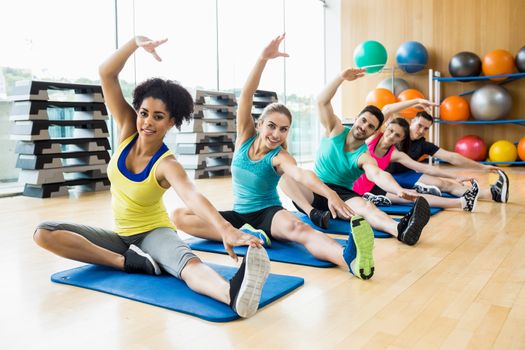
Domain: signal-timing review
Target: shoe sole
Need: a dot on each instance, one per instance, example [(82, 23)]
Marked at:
[(505, 188), (417, 221), (249, 229), (430, 189), (255, 275), (140, 252), (476, 198), (363, 264)]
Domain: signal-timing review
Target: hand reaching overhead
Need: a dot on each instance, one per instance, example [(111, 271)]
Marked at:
[(150, 45), (272, 50)]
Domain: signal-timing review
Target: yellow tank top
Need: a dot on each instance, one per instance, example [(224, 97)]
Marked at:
[(137, 198)]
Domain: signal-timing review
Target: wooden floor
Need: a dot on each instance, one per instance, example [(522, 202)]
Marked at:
[(462, 286)]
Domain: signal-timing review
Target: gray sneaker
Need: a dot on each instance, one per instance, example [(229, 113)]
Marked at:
[(427, 189), (500, 190), (471, 197)]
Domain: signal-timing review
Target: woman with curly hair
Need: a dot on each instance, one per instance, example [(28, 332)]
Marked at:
[(142, 168)]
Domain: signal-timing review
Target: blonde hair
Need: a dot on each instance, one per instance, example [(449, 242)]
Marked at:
[(275, 107)]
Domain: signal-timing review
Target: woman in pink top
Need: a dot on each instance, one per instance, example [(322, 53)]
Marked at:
[(383, 149)]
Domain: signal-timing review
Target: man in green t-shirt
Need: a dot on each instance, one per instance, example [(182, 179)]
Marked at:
[(342, 157)]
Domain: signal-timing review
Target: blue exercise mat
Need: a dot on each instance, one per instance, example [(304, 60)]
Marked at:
[(337, 226), (402, 209), (169, 292), (287, 252)]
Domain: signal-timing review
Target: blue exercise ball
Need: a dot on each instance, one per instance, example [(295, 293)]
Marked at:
[(412, 56), (464, 64), (520, 59)]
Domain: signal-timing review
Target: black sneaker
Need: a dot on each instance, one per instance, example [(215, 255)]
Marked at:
[(320, 218), (500, 190), (377, 199), (246, 286), (137, 261), (471, 197), (427, 189), (410, 226)]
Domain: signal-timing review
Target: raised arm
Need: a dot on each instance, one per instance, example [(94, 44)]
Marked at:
[(329, 120), (245, 123), (390, 109), (287, 164), (124, 115)]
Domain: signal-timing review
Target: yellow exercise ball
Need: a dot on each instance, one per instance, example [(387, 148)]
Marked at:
[(503, 151)]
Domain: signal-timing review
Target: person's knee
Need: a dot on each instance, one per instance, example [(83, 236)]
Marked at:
[(43, 237), (178, 215), (360, 206)]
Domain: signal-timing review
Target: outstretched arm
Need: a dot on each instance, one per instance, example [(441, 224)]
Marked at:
[(245, 124), (109, 70), (287, 164), (458, 160), (390, 109), (172, 174), (404, 159), (329, 120), (381, 178)]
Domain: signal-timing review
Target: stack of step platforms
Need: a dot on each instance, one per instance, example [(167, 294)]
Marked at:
[(62, 145), (261, 99), (205, 146)]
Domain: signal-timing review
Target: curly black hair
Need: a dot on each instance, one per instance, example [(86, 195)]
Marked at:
[(177, 99)]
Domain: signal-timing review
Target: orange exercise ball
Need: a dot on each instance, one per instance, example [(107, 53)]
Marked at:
[(498, 62), (406, 95), (454, 108), (503, 151), (380, 97), (521, 148)]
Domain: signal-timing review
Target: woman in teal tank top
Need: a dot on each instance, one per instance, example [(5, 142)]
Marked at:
[(259, 161), (141, 170)]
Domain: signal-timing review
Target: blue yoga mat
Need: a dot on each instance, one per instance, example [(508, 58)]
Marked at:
[(169, 292), (337, 226), (402, 209), (288, 252)]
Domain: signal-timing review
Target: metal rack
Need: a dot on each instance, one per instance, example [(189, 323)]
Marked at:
[(434, 90)]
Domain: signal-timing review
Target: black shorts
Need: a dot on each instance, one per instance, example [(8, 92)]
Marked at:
[(377, 191), (260, 219), (321, 202)]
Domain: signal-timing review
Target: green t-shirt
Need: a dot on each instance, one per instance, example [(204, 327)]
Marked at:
[(335, 166)]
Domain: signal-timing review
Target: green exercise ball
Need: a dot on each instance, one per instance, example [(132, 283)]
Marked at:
[(371, 55)]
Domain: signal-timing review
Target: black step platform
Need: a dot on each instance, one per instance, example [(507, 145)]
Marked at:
[(62, 146), (62, 189), (38, 90), (50, 161), (203, 148), (38, 110), (38, 129)]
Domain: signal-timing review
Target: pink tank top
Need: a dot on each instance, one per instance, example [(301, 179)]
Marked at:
[(362, 184)]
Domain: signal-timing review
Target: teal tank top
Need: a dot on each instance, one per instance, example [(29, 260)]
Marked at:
[(335, 166), (254, 181)]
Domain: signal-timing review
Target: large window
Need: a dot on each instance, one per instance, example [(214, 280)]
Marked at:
[(57, 40), (212, 44)]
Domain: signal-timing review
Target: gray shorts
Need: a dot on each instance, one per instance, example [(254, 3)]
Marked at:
[(163, 243)]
